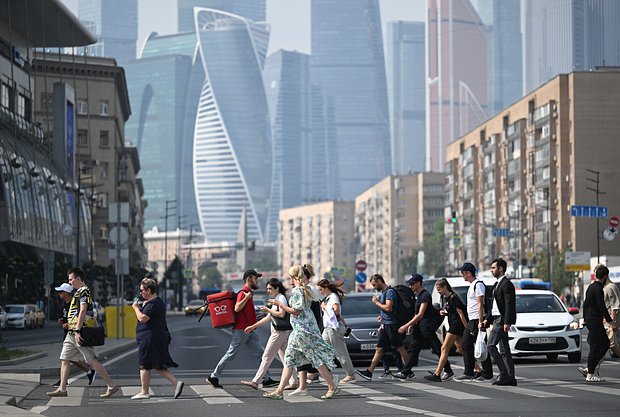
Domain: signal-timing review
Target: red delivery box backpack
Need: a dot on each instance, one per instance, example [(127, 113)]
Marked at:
[(222, 309)]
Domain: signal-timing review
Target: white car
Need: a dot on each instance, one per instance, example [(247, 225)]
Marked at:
[(4, 321), (544, 327), (20, 316)]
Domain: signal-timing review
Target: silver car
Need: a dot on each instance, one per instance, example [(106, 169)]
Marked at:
[(3, 318)]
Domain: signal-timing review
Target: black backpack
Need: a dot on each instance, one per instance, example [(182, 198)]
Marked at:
[(405, 304), (488, 297)]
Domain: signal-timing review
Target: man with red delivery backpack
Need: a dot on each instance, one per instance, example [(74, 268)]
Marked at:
[(245, 316)]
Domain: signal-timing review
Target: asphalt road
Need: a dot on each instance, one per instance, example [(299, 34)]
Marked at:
[(545, 389)]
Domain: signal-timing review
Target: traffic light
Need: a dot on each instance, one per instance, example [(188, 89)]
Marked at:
[(453, 217)]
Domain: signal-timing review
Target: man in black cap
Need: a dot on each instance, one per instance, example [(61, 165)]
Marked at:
[(424, 324), (476, 295), (246, 316)]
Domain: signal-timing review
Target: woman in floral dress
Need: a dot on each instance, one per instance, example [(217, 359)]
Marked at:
[(305, 343)]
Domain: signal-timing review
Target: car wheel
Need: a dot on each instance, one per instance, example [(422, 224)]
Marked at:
[(552, 357), (574, 357)]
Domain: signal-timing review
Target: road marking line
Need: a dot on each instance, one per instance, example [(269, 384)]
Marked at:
[(39, 409), (409, 409), (371, 394), (214, 395), (598, 388), (458, 395), (528, 392)]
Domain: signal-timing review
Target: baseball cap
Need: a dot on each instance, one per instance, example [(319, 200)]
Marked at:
[(468, 266), (65, 287), (252, 272), (415, 278)]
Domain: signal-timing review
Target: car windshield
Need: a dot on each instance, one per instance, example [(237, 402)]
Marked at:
[(358, 306), (14, 309), (196, 303), (539, 303)]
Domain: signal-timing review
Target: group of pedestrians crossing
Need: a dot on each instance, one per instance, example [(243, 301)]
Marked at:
[(307, 331)]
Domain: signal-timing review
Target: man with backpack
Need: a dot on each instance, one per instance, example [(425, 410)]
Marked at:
[(424, 324), (245, 316), (387, 302), (477, 294)]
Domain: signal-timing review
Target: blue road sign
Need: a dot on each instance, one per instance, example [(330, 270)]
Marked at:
[(498, 232), (360, 277), (589, 211)]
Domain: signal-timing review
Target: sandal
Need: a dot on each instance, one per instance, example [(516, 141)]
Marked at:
[(250, 384), (330, 394), (348, 378), (273, 395)]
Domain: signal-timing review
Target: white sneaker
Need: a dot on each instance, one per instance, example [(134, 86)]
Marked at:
[(594, 378), (583, 371), (140, 396), (299, 393)]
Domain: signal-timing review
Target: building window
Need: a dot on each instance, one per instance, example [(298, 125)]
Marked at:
[(104, 169), (104, 139), (103, 232), (82, 137), (102, 200), (82, 106), (6, 96), (46, 102), (103, 108)]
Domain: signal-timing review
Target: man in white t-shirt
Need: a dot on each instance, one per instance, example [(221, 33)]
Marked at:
[(475, 310)]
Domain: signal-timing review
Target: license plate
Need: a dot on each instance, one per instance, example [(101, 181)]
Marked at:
[(368, 346), (541, 340)]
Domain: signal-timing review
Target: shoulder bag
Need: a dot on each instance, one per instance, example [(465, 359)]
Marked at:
[(282, 324)]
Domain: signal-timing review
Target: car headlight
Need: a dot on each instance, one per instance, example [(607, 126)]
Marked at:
[(574, 325), (512, 329)]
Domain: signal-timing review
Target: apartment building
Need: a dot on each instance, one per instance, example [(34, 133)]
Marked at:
[(393, 218), (320, 234), (513, 179)]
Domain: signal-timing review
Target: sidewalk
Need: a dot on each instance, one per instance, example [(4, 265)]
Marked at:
[(18, 378)]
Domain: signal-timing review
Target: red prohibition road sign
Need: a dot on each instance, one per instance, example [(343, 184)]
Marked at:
[(361, 265), (614, 222)]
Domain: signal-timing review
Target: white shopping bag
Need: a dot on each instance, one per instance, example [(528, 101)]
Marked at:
[(480, 348)]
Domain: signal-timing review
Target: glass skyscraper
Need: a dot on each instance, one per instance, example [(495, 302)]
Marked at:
[(287, 86), (164, 87), (456, 89), (115, 25), (407, 95), (569, 35), (347, 71), (250, 9), (232, 140)]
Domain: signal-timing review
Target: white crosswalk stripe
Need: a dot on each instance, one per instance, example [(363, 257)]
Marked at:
[(369, 393), (438, 390), (214, 395), (584, 386)]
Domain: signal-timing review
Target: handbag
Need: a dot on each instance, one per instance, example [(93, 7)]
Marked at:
[(480, 347), (282, 324), (92, 336)]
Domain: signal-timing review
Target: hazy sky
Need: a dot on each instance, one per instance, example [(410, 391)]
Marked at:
[(289, 19)]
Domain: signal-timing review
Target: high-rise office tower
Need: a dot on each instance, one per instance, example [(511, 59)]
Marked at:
[(232, 139), (456, 89), (250, 9), (505, 54), (406, 93), (115, 25), (288, 96), (164, 86), (347, 68), (569, 35)]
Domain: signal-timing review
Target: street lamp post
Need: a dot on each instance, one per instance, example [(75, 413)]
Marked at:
[(178, 293), (597, 192)]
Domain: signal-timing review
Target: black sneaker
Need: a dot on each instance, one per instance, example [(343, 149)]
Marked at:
[(270, 383), (404, 375), (91, 375), (215, 382), (57, 384), (432, 378), (366, 374), (446, 375)]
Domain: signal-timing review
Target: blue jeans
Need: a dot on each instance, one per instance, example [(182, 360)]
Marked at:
[(240, 338)]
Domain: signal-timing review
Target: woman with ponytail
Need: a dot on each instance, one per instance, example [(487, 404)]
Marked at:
[(305, 344), (334, 326)]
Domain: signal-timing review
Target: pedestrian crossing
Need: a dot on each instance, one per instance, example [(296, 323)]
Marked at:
[(388, 393)]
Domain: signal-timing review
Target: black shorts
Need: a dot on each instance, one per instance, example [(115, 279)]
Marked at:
[(389, 337)]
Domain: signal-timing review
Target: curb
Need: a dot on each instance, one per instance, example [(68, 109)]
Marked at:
[(22, 359)]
